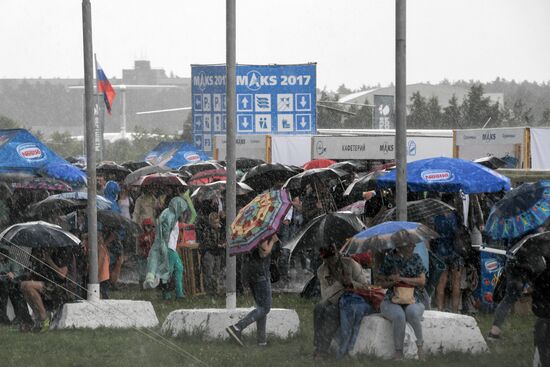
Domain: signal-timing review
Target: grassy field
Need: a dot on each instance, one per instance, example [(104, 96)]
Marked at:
[(131, 348)]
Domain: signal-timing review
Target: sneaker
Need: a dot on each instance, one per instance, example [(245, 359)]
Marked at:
[(262, 344), (493, 336), (45, 325), (235, 334)]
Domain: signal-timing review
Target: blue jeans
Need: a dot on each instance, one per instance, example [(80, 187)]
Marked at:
[(261, 291), (399, 315), (352, 310)]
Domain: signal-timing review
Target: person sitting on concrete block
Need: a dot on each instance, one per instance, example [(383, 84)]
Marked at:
[(338, 276), (403, 273)]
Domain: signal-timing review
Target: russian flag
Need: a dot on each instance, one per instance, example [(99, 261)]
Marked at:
[(104, 87)]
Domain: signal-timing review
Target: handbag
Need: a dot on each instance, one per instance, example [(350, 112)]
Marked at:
[(403, 294), (372, 295)]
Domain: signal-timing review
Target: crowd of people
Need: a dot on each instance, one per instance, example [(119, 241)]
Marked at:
[(346, 293)]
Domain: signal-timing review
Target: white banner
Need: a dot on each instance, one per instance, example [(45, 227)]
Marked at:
[(540, 148), (295, 150), (380, 147), (248, 146), (504, 136), (504, 143)]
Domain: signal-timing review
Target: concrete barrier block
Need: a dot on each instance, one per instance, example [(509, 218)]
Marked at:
[(443, 333), (211, 323), (108, 314)]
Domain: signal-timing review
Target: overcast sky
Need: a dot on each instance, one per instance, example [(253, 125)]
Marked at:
[(351, 40)]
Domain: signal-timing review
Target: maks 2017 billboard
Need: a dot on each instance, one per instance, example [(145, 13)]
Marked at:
[(271, 99)]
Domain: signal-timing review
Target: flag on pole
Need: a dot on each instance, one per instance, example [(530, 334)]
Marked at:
[(104, 87)]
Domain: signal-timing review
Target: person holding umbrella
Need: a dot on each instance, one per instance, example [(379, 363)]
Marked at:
[(48, 283), (253, 232), (403, 273), (256, 273)]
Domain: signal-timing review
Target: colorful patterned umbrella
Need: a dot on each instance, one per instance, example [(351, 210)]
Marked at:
[(259, 220), (520, 211)]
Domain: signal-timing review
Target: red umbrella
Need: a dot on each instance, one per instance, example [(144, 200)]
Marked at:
[(318, 163), (206, 177), (160, 179)]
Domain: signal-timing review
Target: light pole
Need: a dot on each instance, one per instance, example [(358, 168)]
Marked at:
[(401, 108), (93, 283), (231, 186)]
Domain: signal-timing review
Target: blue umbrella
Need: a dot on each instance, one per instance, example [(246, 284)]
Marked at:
[(448, 175), (380, 237), (520, 211)]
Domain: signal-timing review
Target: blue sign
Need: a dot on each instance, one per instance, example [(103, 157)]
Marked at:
[(276, 99)]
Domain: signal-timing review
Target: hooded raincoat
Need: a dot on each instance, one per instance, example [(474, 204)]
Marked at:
[(111, 193), (158, 264)]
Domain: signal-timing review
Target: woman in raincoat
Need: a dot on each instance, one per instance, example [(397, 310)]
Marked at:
[(163, 261), (111, 193)]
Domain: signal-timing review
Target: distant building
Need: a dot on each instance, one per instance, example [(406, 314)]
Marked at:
[(443, 93)]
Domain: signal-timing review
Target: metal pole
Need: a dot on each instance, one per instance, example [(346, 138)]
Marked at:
[(231, 187), (401, 108), (93, 284)]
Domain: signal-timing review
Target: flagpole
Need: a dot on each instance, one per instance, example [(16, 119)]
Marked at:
[(93, 283), (97, 121)]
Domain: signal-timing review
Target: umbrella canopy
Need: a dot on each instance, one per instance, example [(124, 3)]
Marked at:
[(448, 175), (43, 183), (258, 220), (38, 235), (139, 173), (325, 230), (318, 163), (245, 164), (520, 211), (65, 203), (350, 166), (209, 176), (379, 237), (160, 179), (112, 171), (116, 221), (215, 189), (196, 167), (421, 211), (135, 165), (174, 154), (324, 175), (364, 183), (266, 175), (491, 162)]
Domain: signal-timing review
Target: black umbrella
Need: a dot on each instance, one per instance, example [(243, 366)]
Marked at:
[(212, 190), (364, 183), (194, 168), (325, 230), (421, 211), (37, 235), (350, 166), (139, 173), (245, 164), (116, 221), (328, 176), (64, 203), (266, 175), (135, 165), (531, 255), (491, 162), (112, 171)]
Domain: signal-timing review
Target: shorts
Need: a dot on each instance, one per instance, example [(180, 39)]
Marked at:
[(453, 262)]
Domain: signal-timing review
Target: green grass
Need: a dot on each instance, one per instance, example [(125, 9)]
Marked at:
[(130, 348)]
